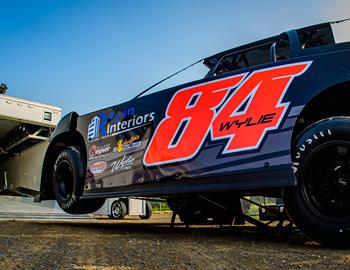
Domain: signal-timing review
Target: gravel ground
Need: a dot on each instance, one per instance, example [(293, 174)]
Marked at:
[(152, 244)]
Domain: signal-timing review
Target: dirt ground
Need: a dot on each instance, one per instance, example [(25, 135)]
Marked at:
[(152, 244)]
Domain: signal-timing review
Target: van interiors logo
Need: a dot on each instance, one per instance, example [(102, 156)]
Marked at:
[(105, 125), (94, 127)]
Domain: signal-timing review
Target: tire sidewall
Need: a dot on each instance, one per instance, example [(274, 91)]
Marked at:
[(73, 157), (316, 226), (315, 136)]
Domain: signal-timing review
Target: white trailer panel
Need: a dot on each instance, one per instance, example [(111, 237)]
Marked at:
[(24, 170), (137, 207), (25, 128), (26, 111)]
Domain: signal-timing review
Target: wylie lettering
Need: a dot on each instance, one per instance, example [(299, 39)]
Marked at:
[(123, 164), (263, 119)]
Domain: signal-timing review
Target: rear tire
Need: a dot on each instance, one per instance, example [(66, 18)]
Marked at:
[(68, 183), (320, 203)]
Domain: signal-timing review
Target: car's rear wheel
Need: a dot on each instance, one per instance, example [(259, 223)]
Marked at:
[(68, 183), (320, 203)]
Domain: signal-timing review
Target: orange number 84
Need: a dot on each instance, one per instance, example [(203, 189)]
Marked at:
[(243, 118)]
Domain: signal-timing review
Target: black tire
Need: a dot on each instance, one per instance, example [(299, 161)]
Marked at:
[(118, 210), (68, 183), (148, 211), (320, 203)]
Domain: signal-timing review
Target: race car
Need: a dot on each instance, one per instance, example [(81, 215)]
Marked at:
[(270, 118)]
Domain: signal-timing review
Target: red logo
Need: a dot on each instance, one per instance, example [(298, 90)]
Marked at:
[(98, 168), (92, 151), (254, 108)]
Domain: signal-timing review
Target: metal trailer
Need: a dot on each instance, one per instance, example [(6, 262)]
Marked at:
[(25, 130), (20, 206), (118, 208)]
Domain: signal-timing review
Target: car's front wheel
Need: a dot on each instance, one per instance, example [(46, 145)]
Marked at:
[(68, 183), (320, 203)]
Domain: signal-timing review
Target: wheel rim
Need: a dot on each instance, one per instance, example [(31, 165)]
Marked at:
[(65, 179), (326, 181), (116, 210)]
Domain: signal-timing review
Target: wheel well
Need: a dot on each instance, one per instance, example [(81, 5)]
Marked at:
[(56, 146), (334, 101)]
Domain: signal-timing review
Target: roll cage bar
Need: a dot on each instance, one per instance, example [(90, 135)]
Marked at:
[(312, 37), (295, 50)]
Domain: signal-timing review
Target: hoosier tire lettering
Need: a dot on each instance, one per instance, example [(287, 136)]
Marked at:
[(302, 148), (68, 204)]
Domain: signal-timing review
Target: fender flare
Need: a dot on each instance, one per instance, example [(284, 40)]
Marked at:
[(67, 125)]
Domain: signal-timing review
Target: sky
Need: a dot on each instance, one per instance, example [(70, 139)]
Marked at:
[(85, 55)]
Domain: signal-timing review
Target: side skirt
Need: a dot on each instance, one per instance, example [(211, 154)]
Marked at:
[(276, 178)]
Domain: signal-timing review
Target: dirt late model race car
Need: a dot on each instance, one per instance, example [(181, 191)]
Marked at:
[(270, 118)]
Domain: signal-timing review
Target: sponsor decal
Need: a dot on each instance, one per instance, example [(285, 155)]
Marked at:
[(132, 146), (98, 168), (105, 125), (241, 118), (128, 144), (93, 128), (123, 164), (96, 151)]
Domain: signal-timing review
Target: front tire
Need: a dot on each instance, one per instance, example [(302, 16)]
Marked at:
[(68, 183), (320, 203)]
